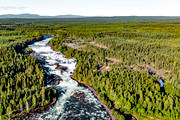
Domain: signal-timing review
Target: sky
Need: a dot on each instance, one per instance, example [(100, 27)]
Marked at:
[(92, 7)]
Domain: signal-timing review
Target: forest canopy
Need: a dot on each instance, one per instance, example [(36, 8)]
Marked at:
[(124, 61), (22, 84)]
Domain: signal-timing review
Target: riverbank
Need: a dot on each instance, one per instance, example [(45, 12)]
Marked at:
[(108, 110), (106, 107), (68, 105), (25, 115)]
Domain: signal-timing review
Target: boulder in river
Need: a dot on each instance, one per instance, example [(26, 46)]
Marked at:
[(60, 67), (54, 79), (79, 96), (41, 58)]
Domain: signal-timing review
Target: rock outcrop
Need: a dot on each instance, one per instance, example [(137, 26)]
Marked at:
[(54, 79), (60, 67)]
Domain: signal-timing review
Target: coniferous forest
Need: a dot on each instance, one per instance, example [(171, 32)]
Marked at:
[(22, 84), (133, 65)]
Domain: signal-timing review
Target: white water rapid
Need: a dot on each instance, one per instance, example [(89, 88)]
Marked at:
[(66, 107)]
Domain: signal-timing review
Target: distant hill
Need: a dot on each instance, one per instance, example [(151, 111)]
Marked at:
[(68, 16), (38, 16), (94, 18)]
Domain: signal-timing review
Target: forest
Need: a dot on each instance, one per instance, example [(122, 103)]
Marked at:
[(123, 60), (22, 85), (118, 61)]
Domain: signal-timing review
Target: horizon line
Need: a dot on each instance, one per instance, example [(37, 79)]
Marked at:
[(97, 15)]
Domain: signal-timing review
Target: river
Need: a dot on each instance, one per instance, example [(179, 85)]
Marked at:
[(66, 106)]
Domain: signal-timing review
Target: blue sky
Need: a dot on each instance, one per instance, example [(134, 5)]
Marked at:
[(92, 7)]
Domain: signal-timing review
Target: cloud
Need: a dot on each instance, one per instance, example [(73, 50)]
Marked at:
[(11, 8)]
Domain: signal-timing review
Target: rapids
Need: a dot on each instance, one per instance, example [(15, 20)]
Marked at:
[(66, 107)]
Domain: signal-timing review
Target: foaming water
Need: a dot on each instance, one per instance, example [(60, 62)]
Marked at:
[(66, 106)]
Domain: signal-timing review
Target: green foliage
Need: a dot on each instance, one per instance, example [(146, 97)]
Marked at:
[(21, 75), (113, 56), (125, 86), (117, 115)]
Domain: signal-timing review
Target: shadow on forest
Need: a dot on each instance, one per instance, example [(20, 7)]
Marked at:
[(127, 116)]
